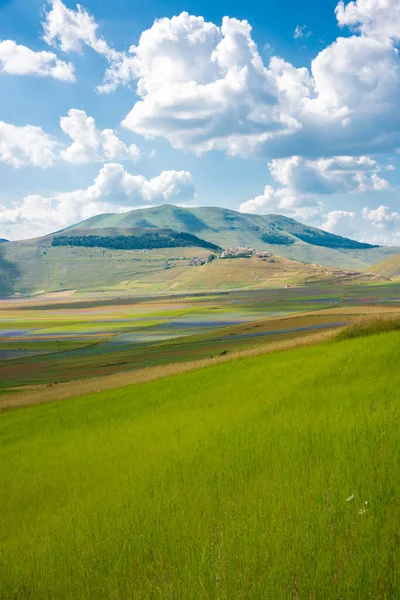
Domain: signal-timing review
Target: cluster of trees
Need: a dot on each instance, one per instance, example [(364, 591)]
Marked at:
[(145, 241), (329, 240), (273, 237), (313, 236)]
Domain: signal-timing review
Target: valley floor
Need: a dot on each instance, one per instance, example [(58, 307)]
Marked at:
[(52, 340)]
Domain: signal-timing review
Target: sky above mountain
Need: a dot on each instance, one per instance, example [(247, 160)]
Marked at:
[(289, 108)]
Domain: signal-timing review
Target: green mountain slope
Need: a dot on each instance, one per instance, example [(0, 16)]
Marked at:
[(279, 235), (153, 249)]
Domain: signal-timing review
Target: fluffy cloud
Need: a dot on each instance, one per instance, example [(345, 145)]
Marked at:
[(283, 201), (302, 181), (71, 30), (113, 190), (90, 144), (31, 146), (336, 175), (20, 60), (381, 217), (205, 87), (26, 146), (374, 18), (340, 222)]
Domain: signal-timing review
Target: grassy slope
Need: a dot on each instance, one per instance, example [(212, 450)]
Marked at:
[(229, 482), (375, 255), (47, 268), (32, 266), (229, 228), (389, 267), (44, 268)]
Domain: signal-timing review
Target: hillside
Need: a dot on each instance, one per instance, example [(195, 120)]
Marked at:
[(388, 268), (230, 481), (130, 239), (33, 268), (167, 247), (277, 234)]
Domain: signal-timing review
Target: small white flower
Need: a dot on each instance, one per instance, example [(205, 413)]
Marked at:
[(350, 498), (362, 511)]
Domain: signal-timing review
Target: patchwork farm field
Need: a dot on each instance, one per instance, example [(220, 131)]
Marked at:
[(274, 476), (63, 338)]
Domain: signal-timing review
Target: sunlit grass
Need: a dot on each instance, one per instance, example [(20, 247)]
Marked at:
[(267, 477), (371, 325)]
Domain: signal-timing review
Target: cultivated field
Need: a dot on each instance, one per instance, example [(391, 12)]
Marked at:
[(267, 477), (56, 339)]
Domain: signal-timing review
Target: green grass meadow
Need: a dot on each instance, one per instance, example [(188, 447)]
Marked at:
[(275, 477)]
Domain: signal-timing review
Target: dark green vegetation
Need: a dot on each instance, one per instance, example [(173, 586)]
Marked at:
[(269, 477), (43, 265), (135, 240)]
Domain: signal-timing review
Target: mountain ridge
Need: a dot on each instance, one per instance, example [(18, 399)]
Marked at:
[(213, 220)]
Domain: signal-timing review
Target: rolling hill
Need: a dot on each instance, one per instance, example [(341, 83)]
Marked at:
[(388, 268), (277, 234), (168, 248)]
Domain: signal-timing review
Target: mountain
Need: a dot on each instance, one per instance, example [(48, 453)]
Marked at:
[(224, 227), (277, 234), (168, 248), (3, 240)]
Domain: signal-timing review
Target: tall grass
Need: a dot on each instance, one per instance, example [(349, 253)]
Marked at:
[(266, 477), (371, 325)]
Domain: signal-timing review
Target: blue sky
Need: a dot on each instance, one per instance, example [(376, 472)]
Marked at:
[(285, 107)]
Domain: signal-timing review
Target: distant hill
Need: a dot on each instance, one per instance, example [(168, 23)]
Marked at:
[(3, 240), (168, 247), (277, 234), (224, 227), (388, 268)]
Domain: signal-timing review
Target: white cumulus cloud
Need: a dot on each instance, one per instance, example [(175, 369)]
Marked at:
[(26, 146), (381, 217), (374, 18), (113, 190), (205, 87), (336, 175), (20, 60), (91, 144), (71, 30), (340, 222), (303, 181)]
